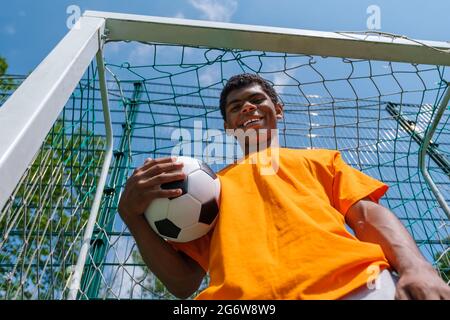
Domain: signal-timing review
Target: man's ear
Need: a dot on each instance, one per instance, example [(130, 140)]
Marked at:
[(279, 111), (225, 126)]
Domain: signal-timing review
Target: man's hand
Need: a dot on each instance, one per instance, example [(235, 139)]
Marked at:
[(144, 186), (423, 284), (376, 224)]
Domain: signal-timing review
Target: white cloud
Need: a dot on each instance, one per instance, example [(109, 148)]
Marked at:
[(215, 10), (279, 80), (9, 30), (141, 53), (113, 47), (179, 15), (209, 75), (122, 279)]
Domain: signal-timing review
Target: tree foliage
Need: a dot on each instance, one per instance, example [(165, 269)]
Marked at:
[(6, 83), (443, 262), (43, 223)]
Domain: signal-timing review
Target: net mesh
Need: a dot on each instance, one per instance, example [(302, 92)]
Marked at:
[(374, 112)]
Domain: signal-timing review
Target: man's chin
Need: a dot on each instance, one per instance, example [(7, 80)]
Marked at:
[(254, 132), (254, 140), (256, 129)]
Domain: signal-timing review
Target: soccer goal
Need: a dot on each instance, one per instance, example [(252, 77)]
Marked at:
[(121, 88)]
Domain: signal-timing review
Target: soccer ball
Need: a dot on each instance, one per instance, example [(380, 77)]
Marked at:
[(192, 214)]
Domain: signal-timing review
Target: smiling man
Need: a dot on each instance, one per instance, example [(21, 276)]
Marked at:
[(254, 121), (283, 235)]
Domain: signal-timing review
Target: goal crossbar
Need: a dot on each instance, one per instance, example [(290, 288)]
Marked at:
[(263, 38)]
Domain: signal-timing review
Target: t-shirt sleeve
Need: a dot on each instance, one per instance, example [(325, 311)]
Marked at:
[(197, 249), (351, 185)]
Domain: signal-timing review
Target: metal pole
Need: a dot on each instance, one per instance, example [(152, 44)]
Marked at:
[(423, 150), (75, 279), (91, 280)]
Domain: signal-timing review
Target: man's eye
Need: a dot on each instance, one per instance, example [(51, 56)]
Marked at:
[(234, 109), (258, 100)]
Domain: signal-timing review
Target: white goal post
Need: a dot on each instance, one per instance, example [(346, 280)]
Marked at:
[(28, 115)]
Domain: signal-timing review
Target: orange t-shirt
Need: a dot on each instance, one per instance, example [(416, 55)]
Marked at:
[(283, 235)]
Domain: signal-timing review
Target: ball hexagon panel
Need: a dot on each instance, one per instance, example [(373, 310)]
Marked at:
[(157, 210), (193, 232), (209, 211), (190, 164), (167, 228), (207, 169), (184, 211), (199, 186)]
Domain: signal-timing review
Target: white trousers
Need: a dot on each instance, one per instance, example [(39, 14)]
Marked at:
[(383, 289)]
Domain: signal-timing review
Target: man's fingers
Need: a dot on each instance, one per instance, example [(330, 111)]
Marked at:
[(166, 193), (445, 295), (162, 168), (151, 162), (418, 293), (433, 296), (400, 294), (162, 178)]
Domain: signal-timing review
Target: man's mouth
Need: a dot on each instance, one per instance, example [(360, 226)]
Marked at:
[(250, 122)]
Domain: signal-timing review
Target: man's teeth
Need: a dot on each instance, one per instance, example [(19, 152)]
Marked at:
[(250, 121)]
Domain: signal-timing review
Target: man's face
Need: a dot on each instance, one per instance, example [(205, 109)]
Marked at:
[(250, 107)]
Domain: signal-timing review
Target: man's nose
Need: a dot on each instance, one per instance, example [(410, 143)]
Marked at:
[(248, 107)]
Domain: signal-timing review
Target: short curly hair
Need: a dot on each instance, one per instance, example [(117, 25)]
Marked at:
[(243, 80)]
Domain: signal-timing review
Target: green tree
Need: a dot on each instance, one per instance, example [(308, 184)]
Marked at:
[(151, 286), (42, 225), (443, 262), (3, 66), (6, 84)]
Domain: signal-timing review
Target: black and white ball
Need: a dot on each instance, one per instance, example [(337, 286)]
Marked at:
[(193, 213)]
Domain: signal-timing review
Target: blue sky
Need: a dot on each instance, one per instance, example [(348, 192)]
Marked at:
[(29, 29)]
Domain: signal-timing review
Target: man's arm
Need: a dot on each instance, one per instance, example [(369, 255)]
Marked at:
[(374, 223), (179, 273)]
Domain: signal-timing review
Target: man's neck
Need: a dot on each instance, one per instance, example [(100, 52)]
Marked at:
[(256, 141), (250, 148)]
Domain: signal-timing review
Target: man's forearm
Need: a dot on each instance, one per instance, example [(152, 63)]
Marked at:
[(376, 224)]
